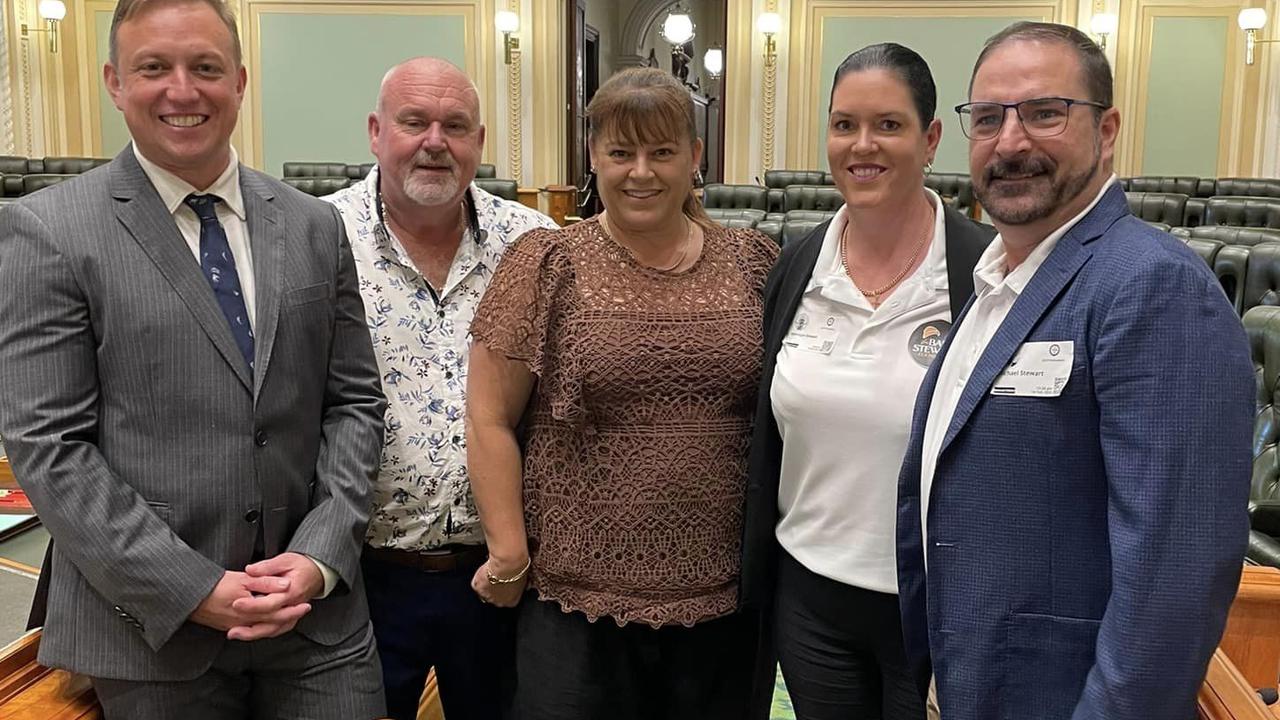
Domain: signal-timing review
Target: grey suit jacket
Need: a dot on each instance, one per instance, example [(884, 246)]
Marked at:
[(145, 445)]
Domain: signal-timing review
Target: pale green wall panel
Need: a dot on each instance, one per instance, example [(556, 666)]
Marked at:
[(949, 45), (1184, 96), (320, 76), (115, 135)]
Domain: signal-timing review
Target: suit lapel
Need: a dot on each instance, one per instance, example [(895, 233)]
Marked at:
[(146, 218), (266, 237), (1066, 259)]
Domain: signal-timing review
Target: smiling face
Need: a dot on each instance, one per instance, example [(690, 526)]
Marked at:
[(178, 83), (427, 134), (877, 146), (1036, 184), (644, 184)]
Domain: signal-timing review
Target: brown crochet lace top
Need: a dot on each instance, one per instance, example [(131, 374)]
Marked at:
[(635, 439)]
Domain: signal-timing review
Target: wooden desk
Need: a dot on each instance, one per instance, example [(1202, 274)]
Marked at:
[(7, 481), (30, 691), (1252, 636)]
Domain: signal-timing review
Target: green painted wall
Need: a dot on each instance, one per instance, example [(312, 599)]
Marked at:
[(320, 76), (115, 135), (1184, 96), (949, 45)]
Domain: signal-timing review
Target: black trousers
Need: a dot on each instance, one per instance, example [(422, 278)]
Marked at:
[(841, 649), (569, 668), (434, 619)]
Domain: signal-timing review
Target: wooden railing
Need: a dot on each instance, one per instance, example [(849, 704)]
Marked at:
[(31, 691)]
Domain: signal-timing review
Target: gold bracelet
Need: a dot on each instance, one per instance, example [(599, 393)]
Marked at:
[(495, 580)]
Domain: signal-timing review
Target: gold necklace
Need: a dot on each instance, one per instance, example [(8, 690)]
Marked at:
[(875, 294), (684, 248)]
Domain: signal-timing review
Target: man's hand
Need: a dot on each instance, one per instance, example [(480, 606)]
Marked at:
[(276, 613), (500, 594), (218, 609)]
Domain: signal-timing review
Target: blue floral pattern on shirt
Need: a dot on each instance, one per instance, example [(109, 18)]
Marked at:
[(422, 496)]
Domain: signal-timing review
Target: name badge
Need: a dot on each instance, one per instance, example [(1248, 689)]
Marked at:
[(1038, 369), (819, 337)]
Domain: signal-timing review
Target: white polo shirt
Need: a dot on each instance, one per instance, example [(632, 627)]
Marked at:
[(843, 393)]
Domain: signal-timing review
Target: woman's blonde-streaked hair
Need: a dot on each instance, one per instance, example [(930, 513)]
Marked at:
[(642, 106)]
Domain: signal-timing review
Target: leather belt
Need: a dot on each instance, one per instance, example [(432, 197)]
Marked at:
[(445, 559)]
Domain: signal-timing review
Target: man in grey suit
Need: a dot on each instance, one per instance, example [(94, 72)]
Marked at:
[(192, 403)]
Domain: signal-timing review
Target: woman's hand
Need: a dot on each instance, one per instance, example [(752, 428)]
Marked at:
[(501, 594)]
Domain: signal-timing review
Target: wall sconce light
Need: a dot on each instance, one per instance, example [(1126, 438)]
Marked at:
[(1252, 20), (713, 61), (1102, 25), (507, 23), (769, 24), (678, 28), (52, 11)]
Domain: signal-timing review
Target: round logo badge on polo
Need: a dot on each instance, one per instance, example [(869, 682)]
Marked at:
[(926, 341)]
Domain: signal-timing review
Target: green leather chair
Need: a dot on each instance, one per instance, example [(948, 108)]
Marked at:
[(13, 165), (505, 189), (34, 183), (1183, 184), (717, 195), (735, 217), (1230, 265), (314, 169), (772, 228), (787, 178), (1206, 249), (1256, 212), (72, 165), (955, 189), (486, 170), (1262, 325), (1235, 235), (1166, 208), (1262, 276), (812, 197), (1252, 187), (318, 186)]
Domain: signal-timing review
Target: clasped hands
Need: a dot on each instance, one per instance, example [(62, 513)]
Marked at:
[(265, 600)]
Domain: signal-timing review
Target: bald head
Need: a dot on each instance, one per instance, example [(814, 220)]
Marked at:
[(423, 72), (427, 135)]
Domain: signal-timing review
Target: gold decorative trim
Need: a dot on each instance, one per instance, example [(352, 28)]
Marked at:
[(808, 16), (478, 47), (768, 99), (515, 145), (28, 92), (1238, 132)]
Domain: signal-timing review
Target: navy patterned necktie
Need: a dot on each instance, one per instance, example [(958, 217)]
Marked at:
[(219, 267)]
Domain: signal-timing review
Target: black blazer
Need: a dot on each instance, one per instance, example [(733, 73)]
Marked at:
[(965, 240)]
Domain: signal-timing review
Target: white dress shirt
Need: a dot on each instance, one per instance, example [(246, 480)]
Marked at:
[(997, 290), (173, 190), (844, 410)]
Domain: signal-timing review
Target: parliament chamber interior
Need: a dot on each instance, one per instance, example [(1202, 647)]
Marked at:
[(1198, 156)]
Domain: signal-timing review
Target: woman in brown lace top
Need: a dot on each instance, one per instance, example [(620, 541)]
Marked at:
[(612, 382)]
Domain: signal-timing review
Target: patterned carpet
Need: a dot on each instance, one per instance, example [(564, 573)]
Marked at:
[(781, 702)]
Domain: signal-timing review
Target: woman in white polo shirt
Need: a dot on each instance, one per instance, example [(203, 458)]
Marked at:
[(854, 314)]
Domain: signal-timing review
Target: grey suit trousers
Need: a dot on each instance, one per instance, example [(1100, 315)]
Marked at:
[(274, 679)]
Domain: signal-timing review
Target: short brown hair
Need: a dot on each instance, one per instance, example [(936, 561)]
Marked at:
[(646, 105), (128, 9), (1093, 62)]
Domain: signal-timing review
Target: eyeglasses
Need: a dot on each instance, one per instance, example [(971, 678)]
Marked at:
[(1040, 117)]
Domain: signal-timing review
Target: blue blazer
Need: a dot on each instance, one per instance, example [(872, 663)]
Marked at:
[(1084, 549)]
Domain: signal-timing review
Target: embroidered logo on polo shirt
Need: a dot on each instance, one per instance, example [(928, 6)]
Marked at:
[(926, 341)]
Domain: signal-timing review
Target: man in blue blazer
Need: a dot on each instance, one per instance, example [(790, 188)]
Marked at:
[(1072, 507)]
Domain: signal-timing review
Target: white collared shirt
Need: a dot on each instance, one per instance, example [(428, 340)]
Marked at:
[(422, 496), (844, 410), (231, 214), (997, 290)]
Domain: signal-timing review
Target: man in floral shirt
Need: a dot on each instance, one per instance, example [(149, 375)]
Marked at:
[(426, 242)]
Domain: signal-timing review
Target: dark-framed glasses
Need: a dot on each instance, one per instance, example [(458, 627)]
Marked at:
[(1040, 117)]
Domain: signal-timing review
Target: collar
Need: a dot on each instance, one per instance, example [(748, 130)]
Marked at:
[(933, 271), (991, 271), (173, 189), (474, 243)]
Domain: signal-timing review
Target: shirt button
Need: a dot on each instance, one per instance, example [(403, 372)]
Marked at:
[(260, 438), (252, 516)]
